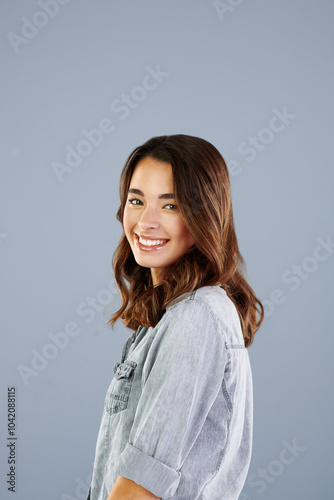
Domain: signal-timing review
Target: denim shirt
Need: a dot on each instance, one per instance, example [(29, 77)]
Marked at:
[(178, 413)]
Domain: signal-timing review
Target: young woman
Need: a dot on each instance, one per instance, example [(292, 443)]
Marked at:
[(177, 421)]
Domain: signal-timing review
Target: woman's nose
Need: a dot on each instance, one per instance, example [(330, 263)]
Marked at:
[(149, 219)]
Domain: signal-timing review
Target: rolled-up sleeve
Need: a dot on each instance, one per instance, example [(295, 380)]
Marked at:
[(181, 378)]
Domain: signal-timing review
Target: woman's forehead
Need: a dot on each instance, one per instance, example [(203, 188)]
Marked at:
[(151, 173)]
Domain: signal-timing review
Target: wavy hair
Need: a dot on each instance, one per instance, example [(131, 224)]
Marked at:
[(202, 189)]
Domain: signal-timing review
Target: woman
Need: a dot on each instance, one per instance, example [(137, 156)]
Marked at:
[(177, 421)]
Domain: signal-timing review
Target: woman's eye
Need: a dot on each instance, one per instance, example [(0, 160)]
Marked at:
[(137, 202), (134, 201)]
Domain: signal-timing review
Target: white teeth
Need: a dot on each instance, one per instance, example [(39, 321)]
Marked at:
[(151, 243)]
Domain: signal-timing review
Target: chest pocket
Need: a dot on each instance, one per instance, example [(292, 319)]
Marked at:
[(119, 390)]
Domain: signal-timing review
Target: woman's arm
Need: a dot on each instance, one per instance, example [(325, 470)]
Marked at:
[(125, 489)]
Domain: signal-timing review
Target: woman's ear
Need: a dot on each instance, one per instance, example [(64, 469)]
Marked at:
[(119, 214)]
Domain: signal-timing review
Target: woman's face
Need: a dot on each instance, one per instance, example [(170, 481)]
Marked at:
[(152, 221)]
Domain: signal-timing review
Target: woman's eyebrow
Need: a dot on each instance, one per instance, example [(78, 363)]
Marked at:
[(166, 196)]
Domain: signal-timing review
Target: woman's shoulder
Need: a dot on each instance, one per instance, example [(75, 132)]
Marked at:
[(210, 301), (213, 297)]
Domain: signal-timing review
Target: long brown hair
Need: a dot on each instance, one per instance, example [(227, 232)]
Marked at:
[(202, 190)]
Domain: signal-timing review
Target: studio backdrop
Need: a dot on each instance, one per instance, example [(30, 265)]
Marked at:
[(84, 83)]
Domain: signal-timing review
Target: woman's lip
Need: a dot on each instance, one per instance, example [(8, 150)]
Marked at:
[(149, 237), (154, 248)]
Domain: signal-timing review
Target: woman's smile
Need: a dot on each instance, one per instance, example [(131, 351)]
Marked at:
[(149, 244)]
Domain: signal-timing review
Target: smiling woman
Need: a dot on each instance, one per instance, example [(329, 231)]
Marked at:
[(177, 422)]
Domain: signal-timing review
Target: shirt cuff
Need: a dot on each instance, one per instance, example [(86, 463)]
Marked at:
[(148, 472)]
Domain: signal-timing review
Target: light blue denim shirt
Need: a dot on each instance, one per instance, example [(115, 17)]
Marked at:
[(178, 413)]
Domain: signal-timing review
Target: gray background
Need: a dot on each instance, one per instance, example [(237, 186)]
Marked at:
[(228, 71)]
